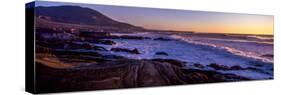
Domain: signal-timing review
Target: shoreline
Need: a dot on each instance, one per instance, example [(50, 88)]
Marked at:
[(67, 67), (124, 73)]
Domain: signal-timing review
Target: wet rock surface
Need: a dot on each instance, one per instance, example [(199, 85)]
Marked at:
[(133, 51), (120, 72), (224, 67), (78, 64), (161, 53), (105, 42), (162, 39)]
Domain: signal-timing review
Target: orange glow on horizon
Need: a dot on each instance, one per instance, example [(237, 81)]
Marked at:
[(239, 26)]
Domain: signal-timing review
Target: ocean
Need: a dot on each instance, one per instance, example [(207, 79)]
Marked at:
[(202, 48)]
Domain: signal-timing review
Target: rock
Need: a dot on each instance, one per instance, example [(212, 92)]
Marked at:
[(86, 46), (77, 53), (128, 37), (218, 67), (152, 73), (109, 83), (223, 67), (258, 65), (99, 48), (72, 46), (268, 55), (134, 51), (171, 61), (229, 77), (162, 39), (198, 65), (89, 35), (197, 77), (204, 76), (105, 42), (126, 73), (161, 53), (236, 67), (254, 69)]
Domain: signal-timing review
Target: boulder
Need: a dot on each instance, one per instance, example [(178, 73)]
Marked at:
[(162, 39), (86, 46), (218, 66), (106, 42), (198, 65), (171, 61), (99, 48), (161, 53), (134, 51), (236, 67), (100, 41), (128, 37), (72, 46), (268, 55), (126, 73), (223, 67)]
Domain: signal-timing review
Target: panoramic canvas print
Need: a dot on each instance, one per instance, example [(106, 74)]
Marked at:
[(94, 47)]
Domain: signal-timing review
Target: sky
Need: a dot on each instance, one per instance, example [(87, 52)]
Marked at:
[(183, 20)]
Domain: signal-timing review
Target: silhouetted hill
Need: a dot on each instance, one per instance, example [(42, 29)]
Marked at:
[(79, 15)]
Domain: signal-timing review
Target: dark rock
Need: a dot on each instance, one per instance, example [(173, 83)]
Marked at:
[(161, 53), (92, 35), (205, 76), (55, 44), (128, 37), (236, 67), (218, 67), (171, 61), (223, 67), (197, 77), (86, 46), (162, 39), (113, 57), (67, 52), (105, 42), (257, 70), (252, 68), (141, 74), (134, 51), (99, 48), (73, 46), (152, 73), (198, 65), (230, 77), (258, 65), (268, 55)]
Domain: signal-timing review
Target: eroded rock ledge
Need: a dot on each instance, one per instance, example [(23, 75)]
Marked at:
[(124, 73)]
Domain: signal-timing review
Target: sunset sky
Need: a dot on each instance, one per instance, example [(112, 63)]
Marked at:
[(183, 20)]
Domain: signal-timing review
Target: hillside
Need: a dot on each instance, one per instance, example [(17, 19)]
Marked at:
[(79, 15)]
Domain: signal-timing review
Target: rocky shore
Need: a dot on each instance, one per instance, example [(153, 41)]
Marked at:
[(107, 72), (78, 64)]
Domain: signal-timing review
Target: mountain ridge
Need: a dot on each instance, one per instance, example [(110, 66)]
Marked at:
[(79, 15)]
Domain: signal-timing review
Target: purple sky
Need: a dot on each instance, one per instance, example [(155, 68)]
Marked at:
[(183, 20)]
